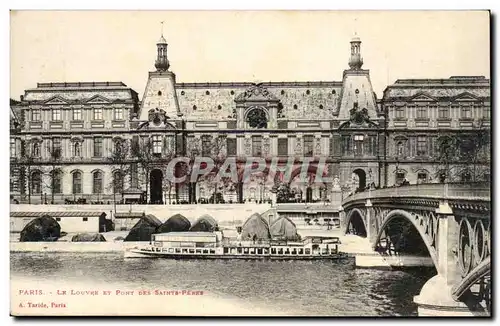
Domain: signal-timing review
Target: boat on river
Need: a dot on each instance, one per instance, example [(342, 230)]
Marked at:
[(211, 245)]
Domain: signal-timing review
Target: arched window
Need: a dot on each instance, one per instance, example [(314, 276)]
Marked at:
[(36, 182), (400, 149), (77, 182), (36, 149), (118, 182), (77, 149), (97, 182), (422, 177), (56, 182), (257, 118)]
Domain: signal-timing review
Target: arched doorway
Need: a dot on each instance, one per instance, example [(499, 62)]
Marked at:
[(360, 176), (156, 186)]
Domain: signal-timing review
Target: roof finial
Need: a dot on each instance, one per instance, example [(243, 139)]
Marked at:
[(162, 28)]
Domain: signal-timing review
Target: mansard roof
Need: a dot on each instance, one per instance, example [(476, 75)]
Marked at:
[(449, 89)]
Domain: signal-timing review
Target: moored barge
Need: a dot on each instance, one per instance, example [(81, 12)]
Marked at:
[(211, 245)]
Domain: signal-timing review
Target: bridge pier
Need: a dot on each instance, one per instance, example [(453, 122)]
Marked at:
[(435, 298)]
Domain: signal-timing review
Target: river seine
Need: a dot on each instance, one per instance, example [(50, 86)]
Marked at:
[(319, 288)]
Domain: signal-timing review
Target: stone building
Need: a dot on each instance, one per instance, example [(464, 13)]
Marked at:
[(72, 135)]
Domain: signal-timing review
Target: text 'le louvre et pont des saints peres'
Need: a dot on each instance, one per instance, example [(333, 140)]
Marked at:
[(113, 292)]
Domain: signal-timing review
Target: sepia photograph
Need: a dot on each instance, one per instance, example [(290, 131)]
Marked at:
[(250, 163)]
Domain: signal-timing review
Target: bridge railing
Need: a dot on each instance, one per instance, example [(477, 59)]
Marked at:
[(476, 191)]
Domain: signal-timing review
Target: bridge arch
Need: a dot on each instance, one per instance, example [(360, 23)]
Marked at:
[(357, 218), (398, 213)]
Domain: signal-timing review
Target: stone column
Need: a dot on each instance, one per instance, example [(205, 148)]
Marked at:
[(371, 234)]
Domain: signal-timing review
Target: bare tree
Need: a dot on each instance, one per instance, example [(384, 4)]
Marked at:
[(215, 149), (120, 163), (142, 152), (54, 173)]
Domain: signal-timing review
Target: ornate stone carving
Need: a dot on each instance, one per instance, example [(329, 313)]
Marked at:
[(317, 147), (248, 146), (298, 146), (257, 118), (266, 146), (256, 93), (359, 116)]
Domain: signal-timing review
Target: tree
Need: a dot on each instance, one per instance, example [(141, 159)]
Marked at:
[(142, 151), (120, 163), (215, 149), (55, 155)]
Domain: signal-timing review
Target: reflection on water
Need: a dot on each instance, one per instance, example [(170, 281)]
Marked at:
[(299, 287)]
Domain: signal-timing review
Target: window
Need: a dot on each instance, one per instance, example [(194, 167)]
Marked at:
[(421, 146), (56, 114), (77, 182), (12, 147), (77, 149), (97, 182), (35, 115), (134, 179), (118, 182), (400, 149), (97, 147), (421, 177), (443, 112), (400, 176), (400, 112), (465, 176), (56, 148), (486, 112), (85, 219), (36, 182), (157, 145), (358, 145), (36, 149), (308, 145), (159, 93), (206, 142), (256, 145), (118, 146), (56, 182), (346, 144), (231, 146), (421, 112), (77, 114), (118, 114), (466, 112), (98, 114), (283, 146)]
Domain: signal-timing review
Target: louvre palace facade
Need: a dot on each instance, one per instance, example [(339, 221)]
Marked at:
[(65, 136)]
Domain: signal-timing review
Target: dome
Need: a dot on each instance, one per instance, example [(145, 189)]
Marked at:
[(162, 40)]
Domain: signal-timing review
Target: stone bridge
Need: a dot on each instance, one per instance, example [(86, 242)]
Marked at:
[(448, 222)]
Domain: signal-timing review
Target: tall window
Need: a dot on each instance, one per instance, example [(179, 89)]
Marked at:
[(35, 115), (118, 114), (77, 149), (400, 149), (206, 145), (77, 114), (134, 179), (12, 147), (486, 112), (56, 115), (231, 146), (466, 112), (421, 112), (443, 112), (97, 147), (57, 182), (157, 145), (256, 145), (358, 145), (118, 182), (77, 182), (118, 146), (308, 145), (346, 144), (56, 148), (421, 146), (400, 112), (282, 146), (98, 114), (36, 182), (400, 176), (97, 182), (36, 149)]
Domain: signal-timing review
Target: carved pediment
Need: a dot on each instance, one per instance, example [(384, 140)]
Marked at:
[(465, 96), (98, 99), (56, 100), (358, 119), (422, 97), (157, 119), (256, 93)]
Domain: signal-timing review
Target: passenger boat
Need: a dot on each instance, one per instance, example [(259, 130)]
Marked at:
[(211, 245)]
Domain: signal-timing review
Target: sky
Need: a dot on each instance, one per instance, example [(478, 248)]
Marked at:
[(249, 46)]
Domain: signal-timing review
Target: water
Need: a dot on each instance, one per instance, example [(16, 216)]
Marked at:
[(326, 288)]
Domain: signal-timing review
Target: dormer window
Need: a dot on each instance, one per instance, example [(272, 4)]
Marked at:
[(159, 93), (207, 93), (219, 107), (194, 107), (308, 92)]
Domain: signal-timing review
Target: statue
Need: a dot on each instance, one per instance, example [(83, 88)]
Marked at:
[(336, 182)]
